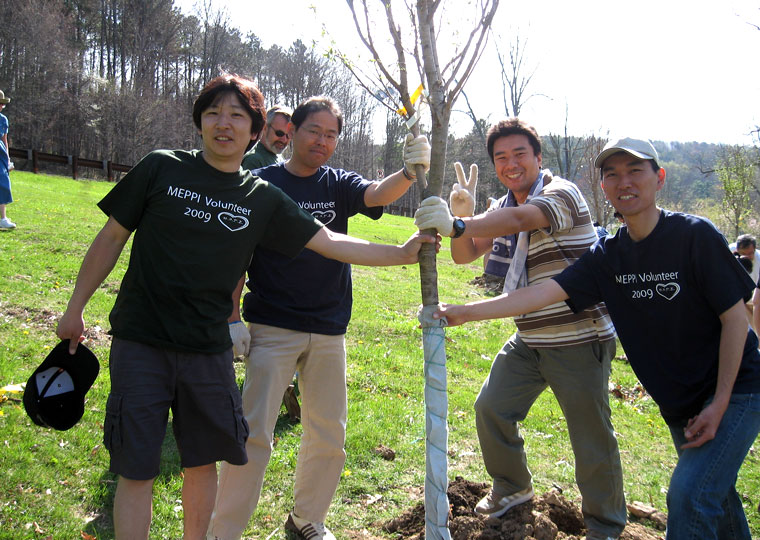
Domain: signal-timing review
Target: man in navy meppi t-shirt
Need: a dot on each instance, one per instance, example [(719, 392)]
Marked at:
[(298, 310)]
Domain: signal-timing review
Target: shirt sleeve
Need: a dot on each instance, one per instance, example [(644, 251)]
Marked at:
[(720, 276), (353, 186), (560, 204), (126, 201), (579, 281)]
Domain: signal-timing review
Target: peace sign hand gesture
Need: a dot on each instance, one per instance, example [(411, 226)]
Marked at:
[(462, 198)]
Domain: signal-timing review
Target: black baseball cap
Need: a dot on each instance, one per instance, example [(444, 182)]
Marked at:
[(54, 394)]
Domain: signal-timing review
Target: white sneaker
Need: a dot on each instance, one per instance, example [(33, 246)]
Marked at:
[(309, 530), (496, 505), (594, 535), (6, 223)]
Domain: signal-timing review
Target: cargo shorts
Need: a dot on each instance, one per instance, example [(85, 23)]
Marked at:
[(200, 391)]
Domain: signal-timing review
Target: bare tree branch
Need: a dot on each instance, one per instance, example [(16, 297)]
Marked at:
[(368, 42), (471, 114), (514, 78), (483, 26)]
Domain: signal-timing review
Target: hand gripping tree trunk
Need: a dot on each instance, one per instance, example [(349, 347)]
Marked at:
[(443, 88)]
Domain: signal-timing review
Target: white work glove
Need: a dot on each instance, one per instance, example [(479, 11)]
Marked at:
[(416, 152), (241, 338), (433, 213), (462, 198)]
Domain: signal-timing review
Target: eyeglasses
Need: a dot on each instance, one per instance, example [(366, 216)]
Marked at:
[(315, 134), (281, 133)]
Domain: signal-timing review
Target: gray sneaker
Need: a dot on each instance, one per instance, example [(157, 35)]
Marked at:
[(496, 505), (308, 530), (6, 223)]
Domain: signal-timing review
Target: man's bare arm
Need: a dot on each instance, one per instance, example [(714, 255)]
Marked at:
[(518, 302), (352, 250), (733, 335), (97, 264)]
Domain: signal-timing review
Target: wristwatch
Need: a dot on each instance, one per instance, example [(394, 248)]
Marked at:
[(458, 228)]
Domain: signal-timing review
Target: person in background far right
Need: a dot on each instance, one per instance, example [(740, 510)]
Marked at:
[(745, 249)]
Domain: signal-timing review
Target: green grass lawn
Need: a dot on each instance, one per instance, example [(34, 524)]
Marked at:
[(57, 485)]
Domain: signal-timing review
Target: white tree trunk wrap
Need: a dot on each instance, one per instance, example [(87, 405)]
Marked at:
[(436, 428)]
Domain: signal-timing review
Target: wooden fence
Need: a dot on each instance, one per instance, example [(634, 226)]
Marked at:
[(405, 206), (35, 157)]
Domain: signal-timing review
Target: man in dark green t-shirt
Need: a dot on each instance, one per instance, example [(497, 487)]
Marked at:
[(274, 139), (197, 218)]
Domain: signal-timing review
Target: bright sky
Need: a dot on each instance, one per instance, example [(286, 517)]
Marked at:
[(672, 70)]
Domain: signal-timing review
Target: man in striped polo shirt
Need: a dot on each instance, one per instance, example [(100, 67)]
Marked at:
[(569, 352)]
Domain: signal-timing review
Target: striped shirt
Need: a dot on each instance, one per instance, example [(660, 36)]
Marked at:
[(570, 235)]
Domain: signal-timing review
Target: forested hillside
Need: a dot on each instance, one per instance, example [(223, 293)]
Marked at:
[(114, 79)]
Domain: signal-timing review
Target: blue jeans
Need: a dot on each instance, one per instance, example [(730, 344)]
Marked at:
[(702, 499)]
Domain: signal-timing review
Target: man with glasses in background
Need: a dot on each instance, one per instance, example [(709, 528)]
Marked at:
[(298, 311), (274, 139)]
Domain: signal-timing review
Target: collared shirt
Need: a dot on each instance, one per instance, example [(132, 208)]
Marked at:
[(259, 157)]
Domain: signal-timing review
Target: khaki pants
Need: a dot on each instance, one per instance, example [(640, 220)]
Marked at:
[(276, 354), (578, 375)]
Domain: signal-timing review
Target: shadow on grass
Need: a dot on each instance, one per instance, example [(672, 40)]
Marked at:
[(284, 424)]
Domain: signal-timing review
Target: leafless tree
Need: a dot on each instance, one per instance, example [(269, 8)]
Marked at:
[(589, 179), (515, 75), (444, 82), (565, 152), (515, 79)]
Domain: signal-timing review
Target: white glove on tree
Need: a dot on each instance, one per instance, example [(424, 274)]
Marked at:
[(416, 152), (241, 338), (433, 213), (462, 198)]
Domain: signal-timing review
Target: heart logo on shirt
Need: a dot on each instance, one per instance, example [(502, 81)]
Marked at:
[(668, 290), (233, 222), (324, 217)]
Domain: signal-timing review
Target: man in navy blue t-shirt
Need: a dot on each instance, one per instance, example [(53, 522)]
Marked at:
[(676, 296), (298, 310)]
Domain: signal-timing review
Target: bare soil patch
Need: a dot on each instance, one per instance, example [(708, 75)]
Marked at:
[(46, 319), (545, 517)]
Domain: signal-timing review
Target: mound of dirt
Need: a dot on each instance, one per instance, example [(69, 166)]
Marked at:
[(492, 284), (546, 517)]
